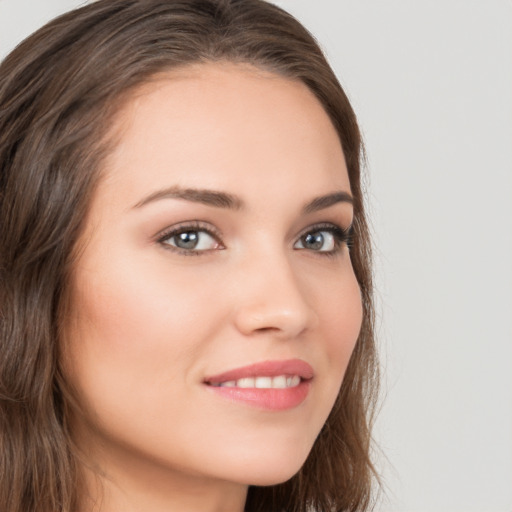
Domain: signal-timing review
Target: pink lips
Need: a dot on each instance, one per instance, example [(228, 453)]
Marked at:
[(275, 399)]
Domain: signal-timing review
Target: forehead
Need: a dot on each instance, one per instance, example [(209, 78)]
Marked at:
[(224, 125)]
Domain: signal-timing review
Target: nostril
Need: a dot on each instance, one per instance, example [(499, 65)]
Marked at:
[(266, 329)]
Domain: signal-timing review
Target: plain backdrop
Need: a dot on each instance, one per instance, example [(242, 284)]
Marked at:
[(431, 82)]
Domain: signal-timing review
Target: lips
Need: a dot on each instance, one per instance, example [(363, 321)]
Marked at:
[(288, 367), (262, 382), (271, 385)]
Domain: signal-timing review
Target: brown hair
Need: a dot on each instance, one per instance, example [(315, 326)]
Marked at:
[(59, 91)]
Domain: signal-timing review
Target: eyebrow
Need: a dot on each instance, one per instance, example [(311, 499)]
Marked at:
[(323, 202), (229, 201), (207, 197)]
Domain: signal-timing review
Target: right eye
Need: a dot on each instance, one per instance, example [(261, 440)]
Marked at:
[(190, 240)]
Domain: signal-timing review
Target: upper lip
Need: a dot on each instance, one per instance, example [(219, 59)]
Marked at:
[(265, 369)]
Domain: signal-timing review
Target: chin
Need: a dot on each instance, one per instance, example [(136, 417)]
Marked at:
[(274, 479), (267, 471)]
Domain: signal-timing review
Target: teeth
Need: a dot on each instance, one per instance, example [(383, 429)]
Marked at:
[(291, 382), (248, 382), (263, 382), (278, 382)]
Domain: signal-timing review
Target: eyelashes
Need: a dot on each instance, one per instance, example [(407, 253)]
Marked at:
[(327, 239), (191, 238), (197, 238)]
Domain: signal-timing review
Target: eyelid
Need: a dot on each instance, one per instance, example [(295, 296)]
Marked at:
[(327, 226), (343, 235), (195, 225)]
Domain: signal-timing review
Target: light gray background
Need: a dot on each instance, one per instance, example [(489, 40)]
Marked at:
[(431, 82)]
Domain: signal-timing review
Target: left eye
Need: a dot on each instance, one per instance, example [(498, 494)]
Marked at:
[(323, 239), (191, 240)]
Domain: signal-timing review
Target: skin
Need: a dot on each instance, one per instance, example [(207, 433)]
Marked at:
[(151, 322)]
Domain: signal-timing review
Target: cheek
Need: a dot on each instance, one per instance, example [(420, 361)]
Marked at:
[(345, 318), (340, 318), (134, 332), (137, 308), (132, 354)]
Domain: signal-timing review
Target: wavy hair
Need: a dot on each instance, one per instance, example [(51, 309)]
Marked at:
[(59, 92)]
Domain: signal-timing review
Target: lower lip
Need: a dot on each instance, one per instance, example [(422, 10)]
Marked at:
[(271, 399)]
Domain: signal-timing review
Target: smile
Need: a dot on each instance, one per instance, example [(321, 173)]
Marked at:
[(269, 385), (278, 382)]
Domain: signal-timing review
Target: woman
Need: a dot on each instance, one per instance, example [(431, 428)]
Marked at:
[(183, 325)]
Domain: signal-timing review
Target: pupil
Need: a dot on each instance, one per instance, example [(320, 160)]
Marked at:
[(187, 240), (314, 241)]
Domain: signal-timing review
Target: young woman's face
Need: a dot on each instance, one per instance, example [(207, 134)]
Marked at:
[(215, 303)]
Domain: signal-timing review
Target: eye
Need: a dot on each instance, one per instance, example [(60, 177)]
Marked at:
[(327, 239), (322, 241), (190, 239), (193, 240)]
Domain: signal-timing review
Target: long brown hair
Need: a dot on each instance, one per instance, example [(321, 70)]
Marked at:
[(59, 91)]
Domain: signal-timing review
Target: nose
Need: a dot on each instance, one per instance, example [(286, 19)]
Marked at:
[(272, 298)]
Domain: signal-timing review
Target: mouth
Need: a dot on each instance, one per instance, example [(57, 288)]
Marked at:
[(269, 385), (261, 382)]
